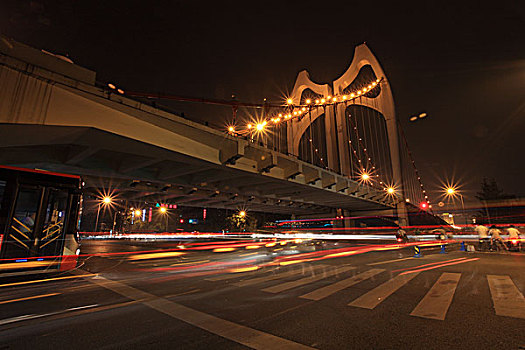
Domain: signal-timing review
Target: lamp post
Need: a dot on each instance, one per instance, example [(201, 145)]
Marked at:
[(451, 192), (106, 200), (164, 211)]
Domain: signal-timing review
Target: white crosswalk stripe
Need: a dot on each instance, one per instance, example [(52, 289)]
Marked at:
[(377, 295), (436, 302), (303, 281), (508, 300), (278, 275), (326, 291)]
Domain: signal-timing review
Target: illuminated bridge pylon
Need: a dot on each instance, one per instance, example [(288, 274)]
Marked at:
[(357, 135)]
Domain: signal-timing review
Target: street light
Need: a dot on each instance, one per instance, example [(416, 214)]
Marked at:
[(164, 211), (242, 213), (451, 192), (106, 200)]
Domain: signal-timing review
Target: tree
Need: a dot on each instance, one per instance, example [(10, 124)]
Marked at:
[(241, 223), (490, 192)]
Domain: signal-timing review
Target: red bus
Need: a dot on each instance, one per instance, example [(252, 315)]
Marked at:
[(39, 216)]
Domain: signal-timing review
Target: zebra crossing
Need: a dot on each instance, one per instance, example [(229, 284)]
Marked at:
[(507, 299)]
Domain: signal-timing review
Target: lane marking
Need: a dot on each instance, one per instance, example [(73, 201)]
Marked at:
[(71, 312), (28, 298), (46, 280), (507, 299), (306, 280), (182, 293), (438, 266), (231, 275), (436, 302), (390, 261), (22, 318), (232, 331), (324, 292), (377, 295), (279, 275)]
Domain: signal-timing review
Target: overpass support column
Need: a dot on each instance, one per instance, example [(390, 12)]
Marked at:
[(341, 146), (347, 222), (389, 113)]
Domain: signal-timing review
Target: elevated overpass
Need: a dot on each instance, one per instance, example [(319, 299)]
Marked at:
[(54, 116)]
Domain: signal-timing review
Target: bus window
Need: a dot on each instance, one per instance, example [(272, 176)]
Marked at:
[(21, 233), (54, 219)]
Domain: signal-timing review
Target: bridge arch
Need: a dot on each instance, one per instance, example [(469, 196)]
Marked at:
[(338, 152)]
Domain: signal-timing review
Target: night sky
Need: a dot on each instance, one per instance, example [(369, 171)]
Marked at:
[(461, 62)]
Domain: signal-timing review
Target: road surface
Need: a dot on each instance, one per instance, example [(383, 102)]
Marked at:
[(235, 295)]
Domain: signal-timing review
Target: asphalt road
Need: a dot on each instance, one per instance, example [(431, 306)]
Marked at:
[(246, 295)]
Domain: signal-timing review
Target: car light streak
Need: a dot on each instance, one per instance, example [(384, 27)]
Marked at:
[(28, 265), (438, 266), (46, 280), (160, 255), (190, 263), (244, 269), (429, 264), (223, 250), (28, 298)]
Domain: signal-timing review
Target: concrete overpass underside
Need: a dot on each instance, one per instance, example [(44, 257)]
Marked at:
[(142, 172)]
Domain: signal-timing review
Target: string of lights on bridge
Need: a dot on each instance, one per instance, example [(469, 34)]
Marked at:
[(294, 111), (366, 174)]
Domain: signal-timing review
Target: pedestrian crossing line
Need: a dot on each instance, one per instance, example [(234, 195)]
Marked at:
[(279, 275), (436, 302), (306, 280), (377, 295), (507, 299), (326, 291)]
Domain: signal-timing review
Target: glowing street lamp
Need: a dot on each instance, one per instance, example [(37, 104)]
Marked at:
[(365, 176), (138, 213), (106, 200), (164, 211), (242, 213), (390, 190), (451, 192)]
